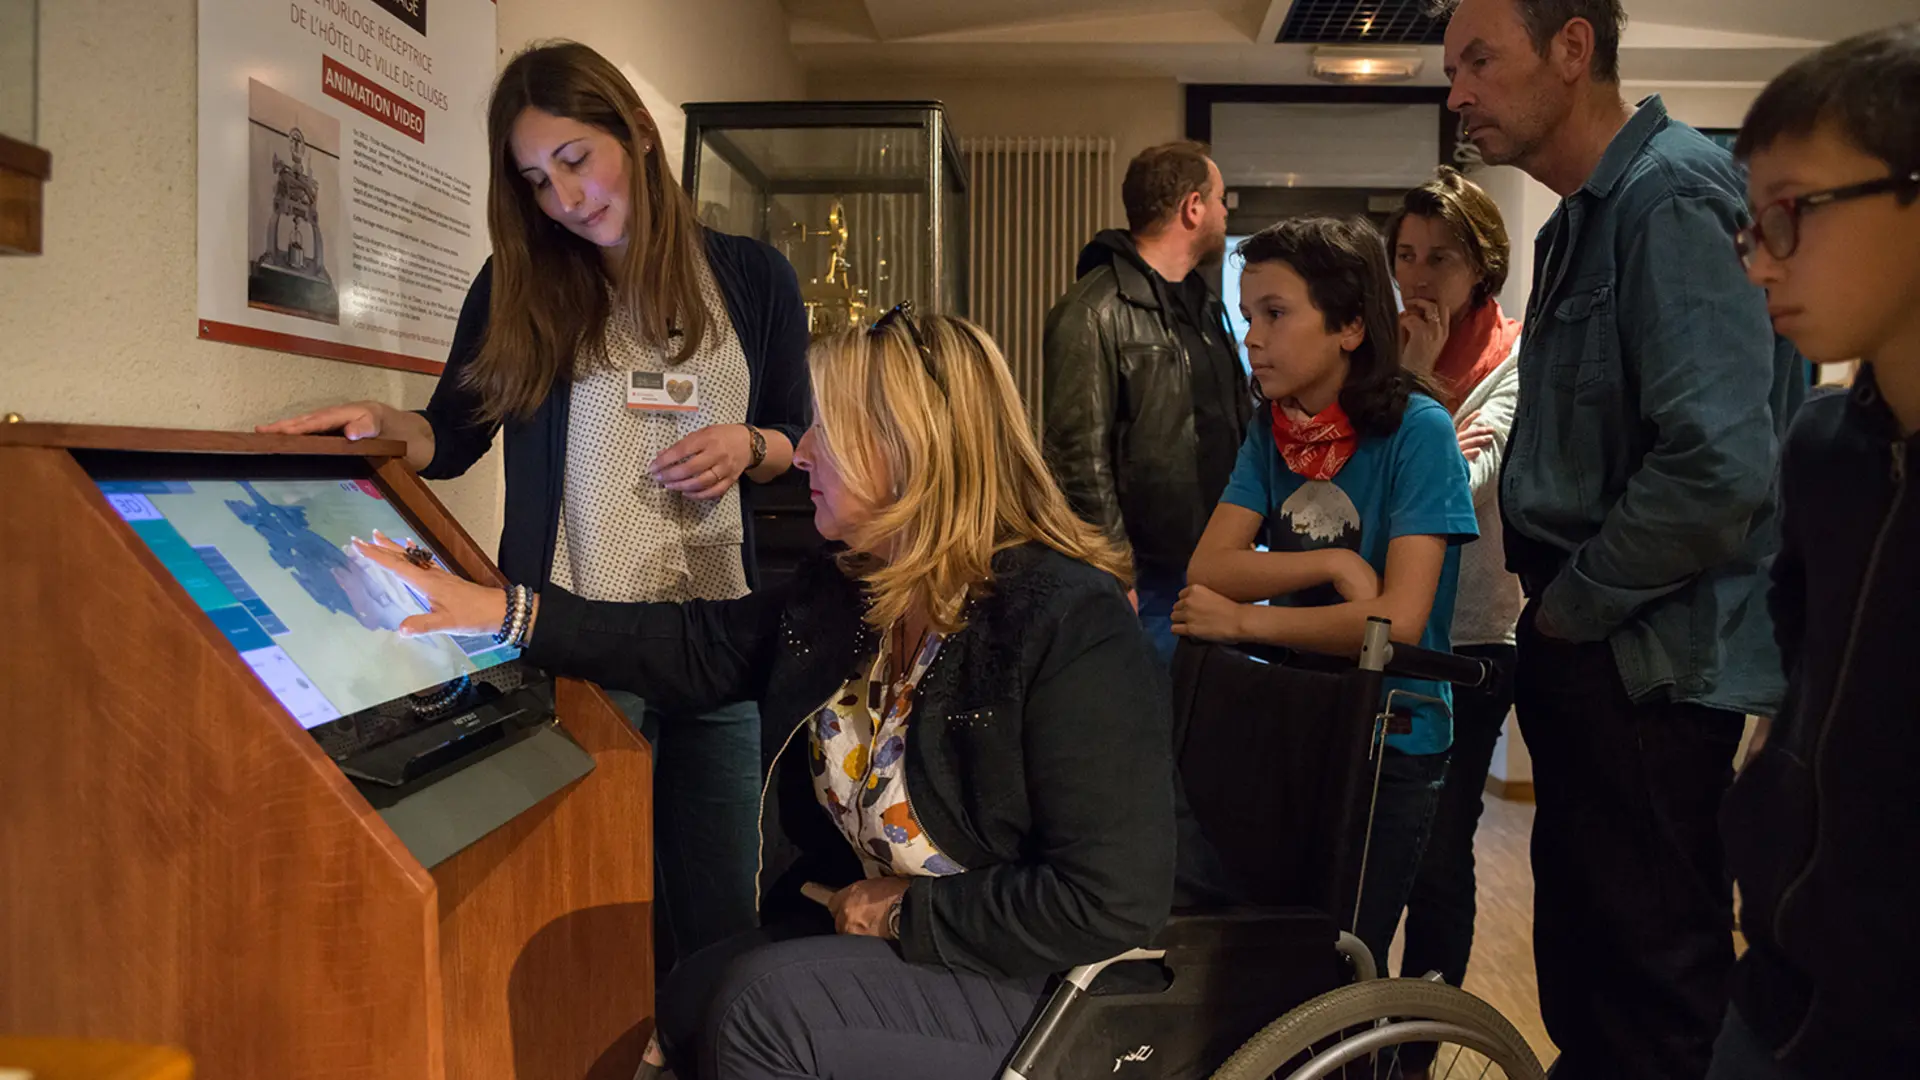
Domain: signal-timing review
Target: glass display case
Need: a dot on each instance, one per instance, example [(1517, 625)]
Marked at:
[(867, 200)]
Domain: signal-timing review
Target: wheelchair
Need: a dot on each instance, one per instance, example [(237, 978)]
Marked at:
[(1280, 764)]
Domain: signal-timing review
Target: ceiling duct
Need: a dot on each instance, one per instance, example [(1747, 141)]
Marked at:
[(1362, 22)]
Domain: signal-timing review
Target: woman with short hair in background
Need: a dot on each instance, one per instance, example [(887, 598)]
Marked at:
[(1352, 474), (1450, 256)]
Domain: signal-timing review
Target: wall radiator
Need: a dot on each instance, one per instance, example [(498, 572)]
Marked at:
[(1032, 204)]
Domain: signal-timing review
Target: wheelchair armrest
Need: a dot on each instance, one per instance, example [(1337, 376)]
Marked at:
[(1413, 662), (1072, 988), (1191, 939)]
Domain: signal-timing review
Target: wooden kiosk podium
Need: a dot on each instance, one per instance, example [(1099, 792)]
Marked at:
[(182, 864)]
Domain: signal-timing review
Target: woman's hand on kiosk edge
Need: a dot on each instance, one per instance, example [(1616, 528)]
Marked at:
[(706, 464), (358, 420), (354, 420), (459, 606), (866, 907)]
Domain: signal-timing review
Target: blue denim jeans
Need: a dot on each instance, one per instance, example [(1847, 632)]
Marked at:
[(1739, 1055), (1157, 595), (1402, 816), (706, 816)]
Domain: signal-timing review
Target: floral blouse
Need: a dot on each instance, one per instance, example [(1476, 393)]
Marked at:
[(856, 746)]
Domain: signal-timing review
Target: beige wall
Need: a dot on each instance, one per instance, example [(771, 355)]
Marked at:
[(1134, 113), (1701, 106), (1526, 203), (101, 328)]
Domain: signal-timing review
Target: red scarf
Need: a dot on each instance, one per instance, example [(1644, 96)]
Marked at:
[(1478, 345), (1315, 447)]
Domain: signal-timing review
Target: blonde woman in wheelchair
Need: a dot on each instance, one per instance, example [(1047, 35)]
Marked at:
[(970, 786)]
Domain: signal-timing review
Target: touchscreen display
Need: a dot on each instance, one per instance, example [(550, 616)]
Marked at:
[(270, 563)]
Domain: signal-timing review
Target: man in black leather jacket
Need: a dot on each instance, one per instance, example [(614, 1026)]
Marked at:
[(1145, 399)]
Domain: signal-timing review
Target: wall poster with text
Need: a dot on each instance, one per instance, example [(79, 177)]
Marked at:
[(343, 174)]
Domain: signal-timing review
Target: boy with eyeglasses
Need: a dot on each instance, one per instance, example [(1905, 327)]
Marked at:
[(1820, 828)]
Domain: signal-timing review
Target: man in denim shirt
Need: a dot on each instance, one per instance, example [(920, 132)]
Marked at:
[(1639, 510)]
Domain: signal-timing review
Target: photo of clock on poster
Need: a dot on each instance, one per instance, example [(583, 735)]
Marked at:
[(343, 174)]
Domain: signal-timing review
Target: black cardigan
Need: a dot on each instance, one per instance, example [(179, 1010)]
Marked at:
[(1039, 757), (763, 300), (1820, 826)]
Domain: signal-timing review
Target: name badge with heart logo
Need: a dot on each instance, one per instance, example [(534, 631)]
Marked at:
[(672, 391)]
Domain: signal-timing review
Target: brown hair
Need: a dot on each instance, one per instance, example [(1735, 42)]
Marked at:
[(1474, 218), (551, 295), (1867, 88), (1544, 19), (1158, 179), (1344, 265), (966, 477)]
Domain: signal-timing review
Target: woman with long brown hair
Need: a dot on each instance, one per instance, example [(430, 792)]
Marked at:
[(970, 742), (641, 367)]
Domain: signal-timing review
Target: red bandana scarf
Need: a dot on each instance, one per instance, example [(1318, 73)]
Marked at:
[(1314, 447), (1478, 345)]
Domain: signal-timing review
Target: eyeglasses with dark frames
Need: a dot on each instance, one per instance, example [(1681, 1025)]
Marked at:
[(902, 314), (1776, 226)]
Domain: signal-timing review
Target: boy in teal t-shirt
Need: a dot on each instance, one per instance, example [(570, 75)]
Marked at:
[(1356, 479), (1411, 483)]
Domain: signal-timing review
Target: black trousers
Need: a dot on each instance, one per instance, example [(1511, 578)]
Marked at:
[(1632, 909), (1441, 906), (785, 1003)]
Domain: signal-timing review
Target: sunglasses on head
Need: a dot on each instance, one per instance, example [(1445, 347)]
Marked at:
[(902, 314)]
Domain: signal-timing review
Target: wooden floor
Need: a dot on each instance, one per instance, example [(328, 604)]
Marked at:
[(1501, 971)]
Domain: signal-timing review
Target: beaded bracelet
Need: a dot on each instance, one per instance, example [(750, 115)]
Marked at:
[(506, 619), (513, 625), (524, 632)]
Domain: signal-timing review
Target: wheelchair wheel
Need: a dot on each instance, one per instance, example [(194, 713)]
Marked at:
[(1378, 1029)]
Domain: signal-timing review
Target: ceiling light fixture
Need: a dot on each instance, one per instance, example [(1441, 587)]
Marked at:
[(1365, 64)]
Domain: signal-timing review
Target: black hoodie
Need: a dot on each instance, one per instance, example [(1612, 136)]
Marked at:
[(1820, 828)]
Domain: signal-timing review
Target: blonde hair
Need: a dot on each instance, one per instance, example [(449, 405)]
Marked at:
[(940, 444)]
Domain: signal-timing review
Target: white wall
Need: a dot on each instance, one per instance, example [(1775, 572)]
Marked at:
[(16, 69), (101, 329), (1134, 113)]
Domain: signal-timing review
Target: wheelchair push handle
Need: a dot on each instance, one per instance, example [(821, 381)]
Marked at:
[(1384, 654)]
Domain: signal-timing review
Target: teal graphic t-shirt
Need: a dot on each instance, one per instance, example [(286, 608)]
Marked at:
[(1412, 483)]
